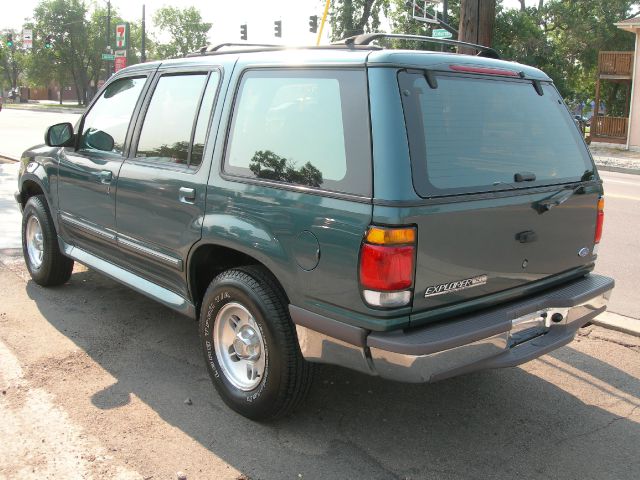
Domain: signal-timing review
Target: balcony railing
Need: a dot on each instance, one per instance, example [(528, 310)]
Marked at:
[(609, 127), (619, 64)]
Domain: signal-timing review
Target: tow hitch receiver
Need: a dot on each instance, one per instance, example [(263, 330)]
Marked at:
[(535, 324)]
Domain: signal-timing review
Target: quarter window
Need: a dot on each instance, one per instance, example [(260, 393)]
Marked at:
[(166, 134), (305, 128), (105, 126)]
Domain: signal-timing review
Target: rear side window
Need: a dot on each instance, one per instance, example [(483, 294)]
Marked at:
[(178, 112), (306, 128), (105, 125), (475, 134)]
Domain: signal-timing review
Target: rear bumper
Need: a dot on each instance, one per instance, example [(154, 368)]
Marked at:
[(504, 336)]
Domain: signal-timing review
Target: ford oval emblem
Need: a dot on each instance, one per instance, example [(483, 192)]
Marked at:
[(583, 252)]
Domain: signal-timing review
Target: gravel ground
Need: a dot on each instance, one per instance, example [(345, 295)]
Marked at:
[(615, 158)]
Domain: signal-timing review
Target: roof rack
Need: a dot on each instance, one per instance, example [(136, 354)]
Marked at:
[(209, 49), (367, 38), (262, 47)]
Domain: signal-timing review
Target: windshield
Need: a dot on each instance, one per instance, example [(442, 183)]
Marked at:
[(473, 135)]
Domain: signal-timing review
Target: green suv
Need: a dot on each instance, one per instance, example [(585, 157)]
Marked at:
[(409, 214)]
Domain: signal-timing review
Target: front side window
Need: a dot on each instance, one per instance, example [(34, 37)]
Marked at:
[(105, 126), (169, 122), (304, 128)]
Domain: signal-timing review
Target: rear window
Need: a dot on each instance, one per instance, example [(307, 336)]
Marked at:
[(307, 128), (472, 135)]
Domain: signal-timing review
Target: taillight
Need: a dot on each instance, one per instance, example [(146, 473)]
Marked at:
[(599, 220), (387, 260)]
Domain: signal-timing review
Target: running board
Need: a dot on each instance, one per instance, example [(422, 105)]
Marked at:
[(131, 280)]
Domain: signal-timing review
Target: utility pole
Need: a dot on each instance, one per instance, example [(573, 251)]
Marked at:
[(477, 19), (108, 37), (143, 52), (445, 18)]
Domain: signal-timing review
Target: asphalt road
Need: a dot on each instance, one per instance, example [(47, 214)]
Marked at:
[(21, 129), (97, 381), (619, 254)]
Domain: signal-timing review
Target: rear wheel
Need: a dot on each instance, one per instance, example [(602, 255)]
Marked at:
[(250, 345), (46, 264)]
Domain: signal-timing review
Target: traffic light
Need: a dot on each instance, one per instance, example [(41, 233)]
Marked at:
[(243, 32), (48, 42), (313, 23), (9, 40), (277, 26)]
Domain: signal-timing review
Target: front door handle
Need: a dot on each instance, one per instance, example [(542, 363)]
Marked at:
[(187, 195), (106, 176)]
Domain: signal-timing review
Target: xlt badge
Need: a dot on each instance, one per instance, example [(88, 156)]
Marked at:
[(455, 286)]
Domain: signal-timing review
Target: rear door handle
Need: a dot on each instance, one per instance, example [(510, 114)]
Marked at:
[(106, 176), (187, 195)]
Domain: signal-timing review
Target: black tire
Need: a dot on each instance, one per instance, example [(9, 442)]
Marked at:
[(55, 268), (287, 376)]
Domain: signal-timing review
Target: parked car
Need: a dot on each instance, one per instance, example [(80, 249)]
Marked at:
[(409, 214)]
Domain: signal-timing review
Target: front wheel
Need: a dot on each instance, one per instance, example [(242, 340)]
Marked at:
[(46, 264), (250, 345)]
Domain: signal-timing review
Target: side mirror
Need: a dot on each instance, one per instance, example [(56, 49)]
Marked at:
[(98, 140), (59, 135)]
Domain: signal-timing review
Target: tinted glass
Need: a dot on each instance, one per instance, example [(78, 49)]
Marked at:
[(105, 126), (202, 126), (474, 134), (306, 128), (168, 123)]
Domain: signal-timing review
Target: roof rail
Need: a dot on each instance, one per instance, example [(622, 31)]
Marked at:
[(367, 38), (214, 48)]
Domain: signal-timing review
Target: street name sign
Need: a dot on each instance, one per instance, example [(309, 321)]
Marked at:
[(441, 33)]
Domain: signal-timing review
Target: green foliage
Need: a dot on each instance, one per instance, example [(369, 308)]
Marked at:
[(13, 61), (185, 26), (563, 38), (77, 41), (353, 17)]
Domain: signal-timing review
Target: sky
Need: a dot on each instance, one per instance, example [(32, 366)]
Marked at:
[(225, 15)]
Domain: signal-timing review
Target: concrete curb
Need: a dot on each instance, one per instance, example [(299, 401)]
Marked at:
[(630, 171), (620, 323), (47, 109)]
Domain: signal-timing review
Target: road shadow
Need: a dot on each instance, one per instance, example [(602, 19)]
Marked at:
[(495, 424)]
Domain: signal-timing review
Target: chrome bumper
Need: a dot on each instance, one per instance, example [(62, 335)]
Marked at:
[(503, 337)]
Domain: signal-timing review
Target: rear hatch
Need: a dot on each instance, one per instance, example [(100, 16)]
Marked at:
[(509, 190)]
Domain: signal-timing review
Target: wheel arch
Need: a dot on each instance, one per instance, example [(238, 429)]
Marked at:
[(207, 260)]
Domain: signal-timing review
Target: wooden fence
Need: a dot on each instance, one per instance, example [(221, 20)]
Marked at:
[(615, 63), (613, 127)]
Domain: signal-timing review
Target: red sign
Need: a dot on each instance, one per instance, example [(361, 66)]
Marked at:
[(121, 35), (119, 63)]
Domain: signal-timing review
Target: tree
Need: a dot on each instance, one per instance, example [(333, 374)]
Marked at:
[(563, 38), (13, 61), (185, 26), (73, 53), (353, 17)]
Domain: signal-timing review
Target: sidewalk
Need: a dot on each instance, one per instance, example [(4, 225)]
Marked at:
[(46, 106), (616, 160)]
